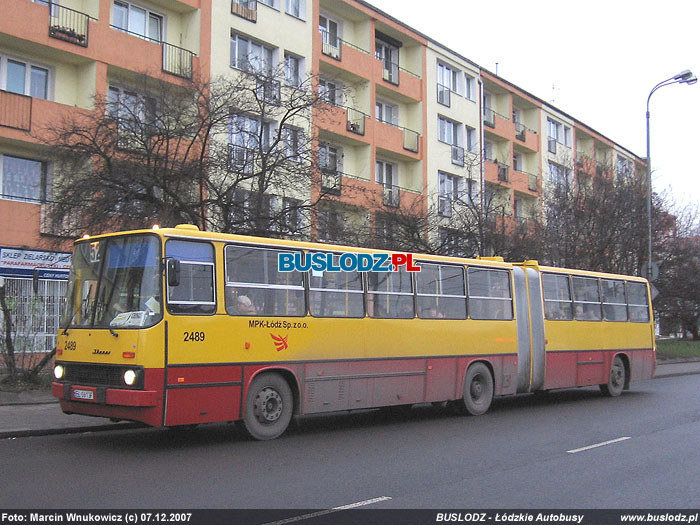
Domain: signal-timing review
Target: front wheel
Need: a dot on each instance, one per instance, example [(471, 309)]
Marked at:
[(478, 389), (616, 381), (269, 407)]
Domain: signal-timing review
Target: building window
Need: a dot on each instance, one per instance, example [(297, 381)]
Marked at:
[(559, 175), (517, 161), (251, 56), (470, 87), (22, 179), (137, 20), (270, 3), (246, 137), (330, 91), (293, 139), (451, 189), (330, 157), (448, 131), (296, 8), (330, 225), (291, 70), (387, 113), (472, 141), (386, 173), (389, 56), (559, 132), (24, 78), (449, 78)]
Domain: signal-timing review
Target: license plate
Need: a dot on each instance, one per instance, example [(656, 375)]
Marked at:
[(84, 394)]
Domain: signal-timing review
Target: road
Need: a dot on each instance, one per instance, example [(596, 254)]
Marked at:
[(522, 454)]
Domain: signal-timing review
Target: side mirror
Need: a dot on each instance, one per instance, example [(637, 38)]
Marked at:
[(173, 272)]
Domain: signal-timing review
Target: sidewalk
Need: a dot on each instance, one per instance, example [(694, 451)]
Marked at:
[(36, 412)]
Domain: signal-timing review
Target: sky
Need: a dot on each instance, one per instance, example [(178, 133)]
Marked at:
[(595, 60)]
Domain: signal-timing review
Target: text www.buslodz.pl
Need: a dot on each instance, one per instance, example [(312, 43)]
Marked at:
[(346, 262)]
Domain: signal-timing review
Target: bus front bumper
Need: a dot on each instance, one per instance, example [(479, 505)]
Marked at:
[(100, 395)]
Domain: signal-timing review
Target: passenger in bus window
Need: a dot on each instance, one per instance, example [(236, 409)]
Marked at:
[(244, 306)]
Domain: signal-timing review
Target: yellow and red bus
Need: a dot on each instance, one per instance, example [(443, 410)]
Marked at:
[(177, 326)]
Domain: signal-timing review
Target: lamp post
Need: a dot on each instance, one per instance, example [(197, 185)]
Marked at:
[(684, 77)]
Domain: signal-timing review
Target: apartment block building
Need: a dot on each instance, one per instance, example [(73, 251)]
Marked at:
[(405, 125)]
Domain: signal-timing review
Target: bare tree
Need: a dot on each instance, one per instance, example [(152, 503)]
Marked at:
[(231, 155)]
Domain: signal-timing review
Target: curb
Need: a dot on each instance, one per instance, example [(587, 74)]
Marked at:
[(69, 430)]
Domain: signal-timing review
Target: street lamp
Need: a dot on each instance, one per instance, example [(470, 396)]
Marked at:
[(684, 77)]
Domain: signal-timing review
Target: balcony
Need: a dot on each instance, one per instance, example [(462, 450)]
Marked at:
[(331, 180), (391, 196), (69, 25), (175, 60), (457, 155), (15, 111), (390, 72), (355, 121), (520, 131), (443, 95), (247, 9)]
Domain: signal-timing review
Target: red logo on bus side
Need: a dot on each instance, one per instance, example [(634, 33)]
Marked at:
[(280, 342)]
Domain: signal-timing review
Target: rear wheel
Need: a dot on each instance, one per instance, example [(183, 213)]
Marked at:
[(269, 407), (616, 381), (478, 389)]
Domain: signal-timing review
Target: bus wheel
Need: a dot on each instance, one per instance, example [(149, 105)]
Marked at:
[(478, 389), (268, 408), (616, 381)]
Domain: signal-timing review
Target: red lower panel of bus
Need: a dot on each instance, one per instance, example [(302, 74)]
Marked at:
[(587, 368)]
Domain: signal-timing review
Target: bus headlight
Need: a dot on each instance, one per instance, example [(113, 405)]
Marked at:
[(130, 377), (59, 371)]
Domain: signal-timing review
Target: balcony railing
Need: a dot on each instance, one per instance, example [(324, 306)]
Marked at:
[(177, 61), (489, 117), (331, 181), (520, 129), (390, 72), (355, 121), (443, 95), (247, 9), (332, 46), (531, 182), (69, 25), (457, 155), (391, 196), (15, 111), (502, 172), (410, 140)]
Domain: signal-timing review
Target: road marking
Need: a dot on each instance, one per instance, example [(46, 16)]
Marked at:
[(330, 511), (589, 447)]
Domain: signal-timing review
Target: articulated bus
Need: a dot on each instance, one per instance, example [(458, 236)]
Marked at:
[(176, 326)]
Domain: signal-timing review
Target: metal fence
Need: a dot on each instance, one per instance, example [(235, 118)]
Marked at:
[(35, 316)]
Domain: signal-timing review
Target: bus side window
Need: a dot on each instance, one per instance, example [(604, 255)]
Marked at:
[(637, 302), (255, 286), (195, 291), (441, 292), (489, 294), (614, 303), (557, 297), (587, 305), (390, 294), (336, 294)]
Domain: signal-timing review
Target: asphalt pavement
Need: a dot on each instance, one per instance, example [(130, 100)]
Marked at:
[(36, 412)]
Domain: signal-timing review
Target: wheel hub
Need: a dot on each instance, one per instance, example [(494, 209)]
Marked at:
[(268, 405)]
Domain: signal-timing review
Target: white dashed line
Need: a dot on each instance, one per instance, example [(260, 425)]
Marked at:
[(330, 511), (589, 447)]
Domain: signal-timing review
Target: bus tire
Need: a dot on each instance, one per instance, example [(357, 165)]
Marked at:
[(269, 407), (478, 389), (616, 380)]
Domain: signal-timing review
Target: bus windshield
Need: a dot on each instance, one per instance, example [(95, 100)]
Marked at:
[(115, 283)]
